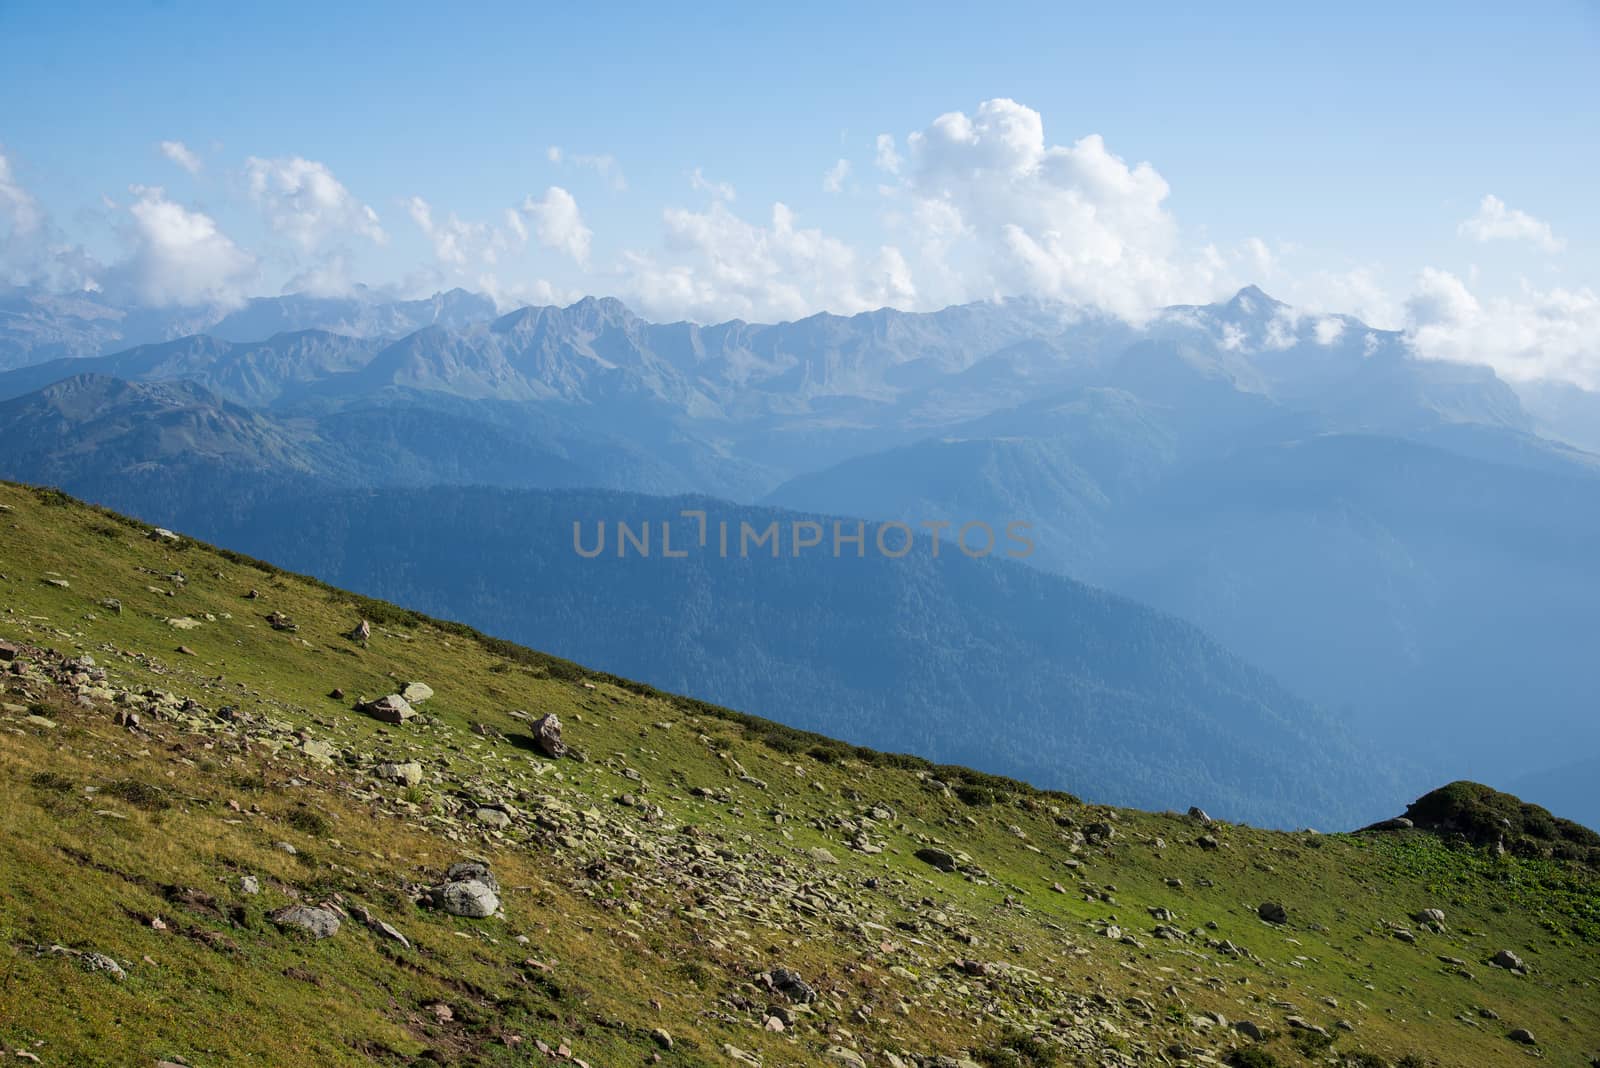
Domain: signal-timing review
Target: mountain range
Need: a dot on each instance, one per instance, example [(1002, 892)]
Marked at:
[(1404, 543)]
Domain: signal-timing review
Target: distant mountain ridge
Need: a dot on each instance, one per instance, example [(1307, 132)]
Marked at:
[(1274, 476)]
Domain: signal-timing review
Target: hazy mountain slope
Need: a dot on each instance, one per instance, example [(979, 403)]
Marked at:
[(255, 374), (164, 808), (1024, 673)]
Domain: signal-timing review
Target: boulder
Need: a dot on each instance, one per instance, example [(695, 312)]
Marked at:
[(319, 922), (938, 858), (1273, 912), (417, 692), (361, 632), (391, 709), (547, 736), (408, 773), (1507, 959), (469, 889)]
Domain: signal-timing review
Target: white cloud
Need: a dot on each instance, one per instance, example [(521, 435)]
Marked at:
[(1328, 329), (179, 153), (1494, 221), (180, 256), (603, 164), (456, 243), (833, 178), (19, 211), (1534, 334), (718, 190), (721, 266), (888, 157), (558, 224), (1073, 222), (304, 202)]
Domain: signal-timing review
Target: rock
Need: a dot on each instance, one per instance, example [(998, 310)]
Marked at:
[(183, 623), (661, 1037), (1198, 813), (1273, 912), (1404, 935), (249, 884), (337, 693), (319, 751), (361, 632), (1399, 823), (470, 889), (99, 962), (416, 692), (1524, 1036), (1249, 1029), (286, 847), (938, 858), (790, 985), (185, 650), (1430, 916), (845, 1056), (489, 816), (406, 774), (319, 922), (547, 736), (58, 583), (112, 605), (163, 534), (378, 927), (1507, 959), (822, 856), (278, 621), (739, 1056), (1298, 1023), (1207, 842), (391, 709), (8, 652)]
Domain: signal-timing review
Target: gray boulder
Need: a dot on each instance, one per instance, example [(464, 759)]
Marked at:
[(319, 922), (391, 709)]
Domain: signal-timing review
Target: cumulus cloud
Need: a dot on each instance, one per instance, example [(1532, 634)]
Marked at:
[(1074, 222), (558, 224), (1495, 221), (304, 202), (457, 243), (32, 250), (718, 266), (179, 153), (603, 164), (180, 256), (833, 178), (1532, 334)]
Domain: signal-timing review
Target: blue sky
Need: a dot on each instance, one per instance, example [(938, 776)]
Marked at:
[(1340, 157)]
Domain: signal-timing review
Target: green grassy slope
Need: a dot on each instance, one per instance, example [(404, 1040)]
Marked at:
[(650, 888)]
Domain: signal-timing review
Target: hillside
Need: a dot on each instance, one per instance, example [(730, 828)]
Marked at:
[(984, 662), (183, 798)]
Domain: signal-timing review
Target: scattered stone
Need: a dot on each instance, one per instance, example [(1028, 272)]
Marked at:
[(378, 927), (249, 884), (1273, 912), (336, 693), (186, 651), (416, 692), (278, 621), (822, 856), (1198, 813), (1509, 960), (8, 652), (1524, 1036), (163, 534), (1207, 842), (1249, 1029), (661, 1037), (490, 816), (391, 709), (1430, 916), (317, 921), (58, 583), (938, 858), (99, 962), (788, 983), (406, 774), (845, 1056)]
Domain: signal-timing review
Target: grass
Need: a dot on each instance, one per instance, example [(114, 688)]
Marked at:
[(103, 830)]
